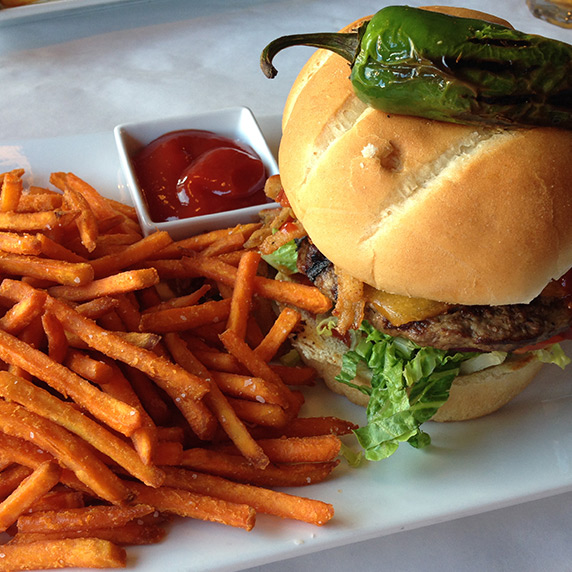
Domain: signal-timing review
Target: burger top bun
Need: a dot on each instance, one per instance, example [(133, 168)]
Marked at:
[(422, 208)]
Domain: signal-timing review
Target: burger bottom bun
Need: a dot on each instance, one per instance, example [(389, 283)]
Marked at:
[(471, 396)]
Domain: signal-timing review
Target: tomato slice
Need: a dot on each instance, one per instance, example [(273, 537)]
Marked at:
[(567, 335)]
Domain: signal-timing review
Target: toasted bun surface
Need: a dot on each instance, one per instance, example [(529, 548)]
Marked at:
[(460, 214), (471, 396)]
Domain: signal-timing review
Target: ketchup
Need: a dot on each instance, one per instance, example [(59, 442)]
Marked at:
[(194, 172)]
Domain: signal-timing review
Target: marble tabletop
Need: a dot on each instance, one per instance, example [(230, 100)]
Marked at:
[(82, 67)]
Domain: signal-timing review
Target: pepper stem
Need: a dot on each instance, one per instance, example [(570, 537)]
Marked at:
[(346, 45)]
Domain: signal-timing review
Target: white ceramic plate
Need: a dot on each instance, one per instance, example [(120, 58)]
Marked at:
[(50, 8), (522, 453)]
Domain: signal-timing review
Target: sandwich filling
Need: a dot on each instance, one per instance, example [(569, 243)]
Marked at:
[(450, 327), (410, 351)]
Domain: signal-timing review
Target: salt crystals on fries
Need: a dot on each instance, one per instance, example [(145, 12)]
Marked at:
[(138, 382)]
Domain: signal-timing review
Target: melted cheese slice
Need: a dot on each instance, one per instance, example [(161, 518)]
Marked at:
[(400, 310)]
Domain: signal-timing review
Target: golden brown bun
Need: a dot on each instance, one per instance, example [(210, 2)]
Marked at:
[(422, 208), (471, 396)]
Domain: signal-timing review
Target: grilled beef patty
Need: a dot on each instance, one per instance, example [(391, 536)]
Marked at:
[(480, 328)]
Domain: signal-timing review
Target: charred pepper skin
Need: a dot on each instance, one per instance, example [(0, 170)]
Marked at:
[(461, 70)]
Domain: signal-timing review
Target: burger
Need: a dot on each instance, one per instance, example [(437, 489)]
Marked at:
[(446, 250)]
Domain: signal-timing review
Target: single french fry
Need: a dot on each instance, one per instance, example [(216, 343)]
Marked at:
[(41, 402), (189, 317), (86, 221), (56, 336), (254, 334), (52, 249), (284, 450), (64, 553), (191, 505), (85, 366), (127, 211), (209, 333), (218, 403), (36, 221), (145, 438), (97, 308), (20, 243), (170, 269), (69, 450), (59, 500), (130, 534), (196, 343), (256, 366), (83, 518), (39, 283), (238, 469), (33, 334), (34, 202), (287, 320), (69, 181), (110, 224), (241, 300), (299, 295), (168, 453), (181, 301), (33, 487), (130, 255), (308, 427), (199, 242), (111, 243), (265, 414), (11, 191), (149, 395), (164, 291), (21, 314), (219, 361), (232, 258), (128, 226), (19, 172), (109, 286), (21, 452), (229, 243), (11, 477), (60, 271), (128, 310), (246, 387), (171, 434), (263, 500), (110, 321), (41, 190)]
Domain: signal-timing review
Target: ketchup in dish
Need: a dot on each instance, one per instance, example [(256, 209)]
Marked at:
[(193, 172)]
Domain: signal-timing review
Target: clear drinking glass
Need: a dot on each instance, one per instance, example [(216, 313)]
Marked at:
[(557, 12)]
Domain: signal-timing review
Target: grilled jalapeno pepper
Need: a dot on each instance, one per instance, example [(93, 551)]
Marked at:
[(462, 70)]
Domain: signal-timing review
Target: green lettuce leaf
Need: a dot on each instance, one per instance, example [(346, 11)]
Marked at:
[(553, 354), (284, 258), (408, 385)]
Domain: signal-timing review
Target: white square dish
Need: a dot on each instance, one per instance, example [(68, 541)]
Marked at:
[(235, 123)]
